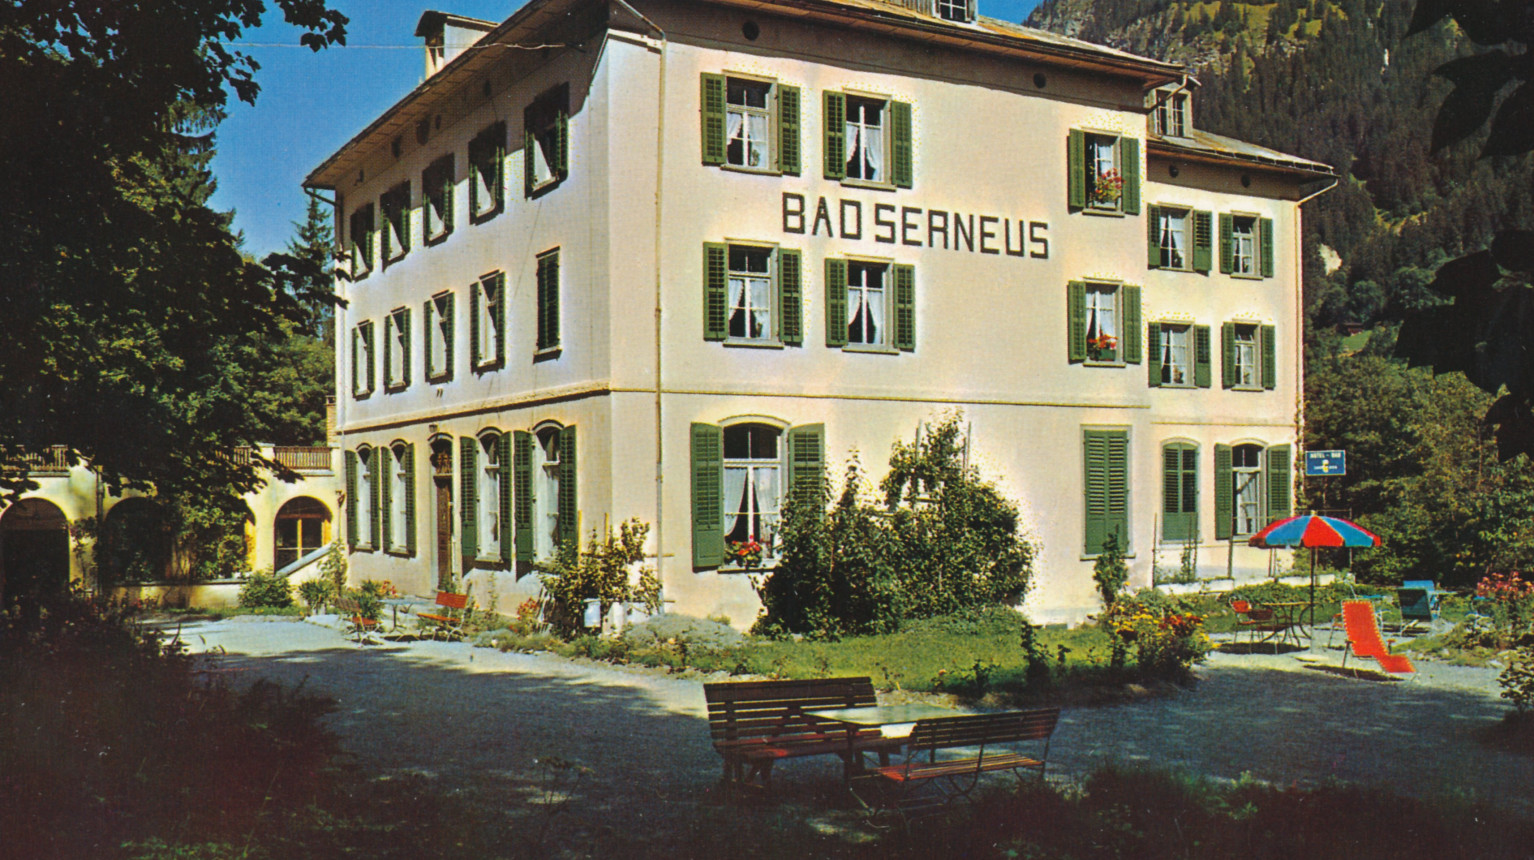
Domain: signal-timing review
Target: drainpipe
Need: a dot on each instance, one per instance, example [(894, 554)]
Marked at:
[(660, 165), (1299, 333)]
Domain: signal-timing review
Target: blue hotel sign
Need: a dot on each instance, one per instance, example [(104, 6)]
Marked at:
[(1325, 463)]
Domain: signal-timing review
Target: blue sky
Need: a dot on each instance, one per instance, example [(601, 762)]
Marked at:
[(312, 103)]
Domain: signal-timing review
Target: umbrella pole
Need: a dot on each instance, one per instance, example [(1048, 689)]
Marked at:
[(1312, 619)]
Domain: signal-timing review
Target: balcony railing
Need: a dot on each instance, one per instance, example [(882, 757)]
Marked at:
[(53, 460), (304, 458)]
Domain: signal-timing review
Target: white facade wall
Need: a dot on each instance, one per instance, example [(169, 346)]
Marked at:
[(991, 327)]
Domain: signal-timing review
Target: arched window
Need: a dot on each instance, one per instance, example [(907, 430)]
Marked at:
[(488, 495), (1246, 487), (401, 509), (1179, 491), (362, 500), (546, 474)]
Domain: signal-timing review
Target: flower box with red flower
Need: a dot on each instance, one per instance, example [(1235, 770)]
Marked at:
[(745, 553), (1104, 347)]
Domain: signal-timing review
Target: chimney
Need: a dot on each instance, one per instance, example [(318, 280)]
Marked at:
[(446, 36)]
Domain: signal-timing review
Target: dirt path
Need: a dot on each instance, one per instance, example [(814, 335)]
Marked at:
[(479, 721)]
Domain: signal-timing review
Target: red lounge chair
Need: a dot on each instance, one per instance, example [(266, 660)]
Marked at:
[(1364, 638)]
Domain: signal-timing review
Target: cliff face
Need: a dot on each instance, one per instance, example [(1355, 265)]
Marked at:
[(1337, 81)]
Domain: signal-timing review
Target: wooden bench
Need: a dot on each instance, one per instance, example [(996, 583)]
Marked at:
[(447, 621), (988, 735), (756, 723), (358, 626)]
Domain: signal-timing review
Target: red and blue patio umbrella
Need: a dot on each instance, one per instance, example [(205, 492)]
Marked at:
[(1313, 530)]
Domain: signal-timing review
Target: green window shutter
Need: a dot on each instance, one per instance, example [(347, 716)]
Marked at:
[(1269, 345), (410, 528), (707, 495), (1227, 265), (1279, 482), (375, 482), (1201, 356), (1076, 320), (1153, 236), (1076, 169), (1224, 493), (384, 457), (351, 499), (836, 135), (1153, 353), (836, 302), (806, 460), (790, 297), (905, 307), (372, 369), (1129, 161), (548, 300), (1228, 355), (528, 142), (788, 130), (356, 357), (522, 467), (1265, 245), (900, 120), (1105, 456), (404, 330), (474, 333), (561, 165), (1179, 488), (1203, 241), (468, 499), (713, 119), (498, 166), (449, 323), (447, 194), (1132, 343), (716, 275), (498, 319), (569, 512), (504, 503)]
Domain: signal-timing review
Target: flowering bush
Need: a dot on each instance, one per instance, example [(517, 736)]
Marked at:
[(746, 553), (1167, 643), (1510, 599), (1108, 188)]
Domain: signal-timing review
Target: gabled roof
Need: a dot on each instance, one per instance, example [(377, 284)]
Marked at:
[(549, 21)]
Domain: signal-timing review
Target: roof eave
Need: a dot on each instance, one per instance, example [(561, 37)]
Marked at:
[(1296, 168)]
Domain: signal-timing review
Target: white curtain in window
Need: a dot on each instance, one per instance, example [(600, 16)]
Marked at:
[(757, 132), (1175, 241), (736, 122), (852, 140), (736, 502), (760, 294), (1100, 314), (766, 498), (873, 152), (875, 306)]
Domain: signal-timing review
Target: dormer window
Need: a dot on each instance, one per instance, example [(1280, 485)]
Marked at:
[(962, 11), (1169, 112)]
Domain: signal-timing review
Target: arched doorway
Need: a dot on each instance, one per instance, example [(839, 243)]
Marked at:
[(34, 549), (136, 542), (302, 526)]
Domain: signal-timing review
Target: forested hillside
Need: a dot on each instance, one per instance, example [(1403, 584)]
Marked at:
[(1339, 83)]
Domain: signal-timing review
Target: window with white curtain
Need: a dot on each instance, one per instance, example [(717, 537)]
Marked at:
[(1246, 357), (1246, 468), (1243, 245), (866, 307), (753, 485), (1176, 354), (750, 293), (1102, 322), (748, 120), (866, 139), (1172, 230), (546, 494), (488, 497)]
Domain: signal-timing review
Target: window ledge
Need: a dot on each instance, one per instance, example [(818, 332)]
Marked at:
[(764, 567), (866, 349), (1096, 210), (398, 552), (438, 238), (1247, 388), (489, 366), (544, 187), (754, 171), (754, 344), (440, 377), (1246, 277), (1090, 363), (396, 387), (395, 259), (493, 562), (363, 547), (547, 354), (869, 184), (362, 395), (1127, 556), (486, 215)]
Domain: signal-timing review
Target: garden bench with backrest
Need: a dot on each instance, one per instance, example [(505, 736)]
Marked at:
[(448, 615), (986, 744), (358, 625), (756, 723)]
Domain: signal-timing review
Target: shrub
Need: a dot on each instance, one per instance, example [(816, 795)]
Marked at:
[(266, 589), (369, 600), (695, 633), (316, 593), (1510, 601), (602, 572), (1167, 643), (1517, 680), (1109, 571)]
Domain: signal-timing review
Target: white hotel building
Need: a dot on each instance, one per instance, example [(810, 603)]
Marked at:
[(659, 258)]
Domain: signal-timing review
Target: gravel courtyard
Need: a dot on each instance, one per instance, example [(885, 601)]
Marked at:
[(477, 721)]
